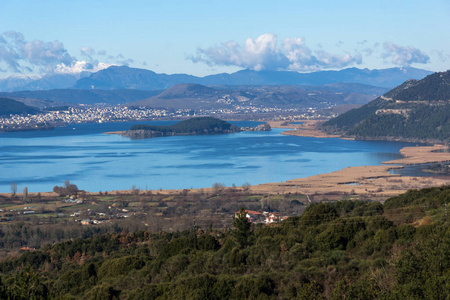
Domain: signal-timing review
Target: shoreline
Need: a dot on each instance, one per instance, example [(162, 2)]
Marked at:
[(307, 129), (373, 181), (114, 132), (362, 181), (370, 181)]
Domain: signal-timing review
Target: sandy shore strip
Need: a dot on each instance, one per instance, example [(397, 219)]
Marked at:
[(422, 155), (370, 181), (309, 128), (114, 132)]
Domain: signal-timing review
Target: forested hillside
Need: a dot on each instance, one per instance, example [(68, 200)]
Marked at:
[(193, 126), (13, 107), (415, 110), (337, 250)]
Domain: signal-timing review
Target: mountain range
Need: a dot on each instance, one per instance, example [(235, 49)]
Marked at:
[(417, 110), (123, 77), (129, 78), (196, 96), (61, 97)]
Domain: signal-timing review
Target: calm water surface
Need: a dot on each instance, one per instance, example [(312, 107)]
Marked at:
[(98, 162)]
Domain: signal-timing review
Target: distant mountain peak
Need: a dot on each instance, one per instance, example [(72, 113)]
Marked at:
[(125, 77)]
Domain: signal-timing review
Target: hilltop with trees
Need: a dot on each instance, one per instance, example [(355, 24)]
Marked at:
[(193, 126), (417, 110)]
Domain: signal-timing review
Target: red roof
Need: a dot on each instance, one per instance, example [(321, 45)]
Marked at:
[(28, 248)]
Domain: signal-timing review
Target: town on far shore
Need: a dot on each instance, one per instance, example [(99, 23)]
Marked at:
[(56, 117)]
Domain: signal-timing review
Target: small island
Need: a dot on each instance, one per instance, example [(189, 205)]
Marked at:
[(193, 126)]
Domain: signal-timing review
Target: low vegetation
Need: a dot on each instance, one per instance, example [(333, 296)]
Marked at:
[(336, 250)]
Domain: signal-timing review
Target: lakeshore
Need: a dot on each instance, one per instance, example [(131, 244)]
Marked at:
[(371, 182), (367, 181), (308, 128)]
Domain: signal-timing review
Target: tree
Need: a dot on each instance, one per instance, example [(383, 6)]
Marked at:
[(103, 291), (27, 285), (71, 189), (218, 187), (67, 189), (25, 194), (242, 226), (13, 189), (134, 190), (246, 187)]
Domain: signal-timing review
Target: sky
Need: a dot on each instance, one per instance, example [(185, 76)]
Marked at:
[(215, 36)]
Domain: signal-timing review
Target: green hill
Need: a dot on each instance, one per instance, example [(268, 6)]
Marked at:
[(13, 107), (193, 126), (335, 250), (417, 110)]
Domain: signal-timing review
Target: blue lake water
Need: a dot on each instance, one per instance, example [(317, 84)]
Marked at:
[(95, 162)]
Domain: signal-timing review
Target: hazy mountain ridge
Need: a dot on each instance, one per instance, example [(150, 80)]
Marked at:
[(184, 95), (123, 77), (415, 110), (195, 96), (10, 106), (72, 96), (39, 83), (120, 85)]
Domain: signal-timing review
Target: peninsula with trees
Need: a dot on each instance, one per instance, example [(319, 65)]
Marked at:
[(193, 126)]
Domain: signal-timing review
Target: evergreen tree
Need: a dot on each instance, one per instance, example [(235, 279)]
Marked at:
[(242, 226)]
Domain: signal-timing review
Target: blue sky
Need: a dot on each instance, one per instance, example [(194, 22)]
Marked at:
[(209, 37)]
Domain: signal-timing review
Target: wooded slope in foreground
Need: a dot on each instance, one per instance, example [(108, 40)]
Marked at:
[(339, 250)]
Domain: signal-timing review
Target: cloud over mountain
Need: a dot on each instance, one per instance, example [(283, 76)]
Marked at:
[(264, 53), (23, 56), (404, 55), (19, 54)]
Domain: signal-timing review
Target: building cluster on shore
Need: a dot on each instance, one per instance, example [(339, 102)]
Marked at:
[(101, 114)]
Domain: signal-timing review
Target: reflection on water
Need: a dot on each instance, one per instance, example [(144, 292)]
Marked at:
[(97, 162), (418, 171)]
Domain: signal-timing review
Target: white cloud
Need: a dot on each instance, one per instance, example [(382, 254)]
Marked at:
[(404, 55), (87, 51), (80, 66), (263, 53), (20, 55), (258, 54)]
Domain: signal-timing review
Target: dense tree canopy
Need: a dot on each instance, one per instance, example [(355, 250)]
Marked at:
[(415, 110), (335, 250), (201, 125)]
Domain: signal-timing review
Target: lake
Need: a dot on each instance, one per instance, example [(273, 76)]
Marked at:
[(96, 162)]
